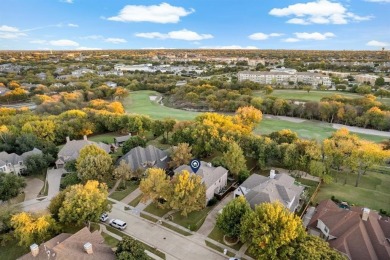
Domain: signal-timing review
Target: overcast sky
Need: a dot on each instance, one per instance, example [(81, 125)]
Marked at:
[(136, 24)]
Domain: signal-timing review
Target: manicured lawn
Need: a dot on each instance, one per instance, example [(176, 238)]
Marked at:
[(138, 102), (135, 201), (153, 209), (17, 199), (217, 235), (193, 221), (142, 215), (373, 191), (217, 248), (307, 129), (11, 250), (120, 195), (107, 138), (112, 242)]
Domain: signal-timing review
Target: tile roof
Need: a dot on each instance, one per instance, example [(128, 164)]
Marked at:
[(67, 246), (352, 235), (143, 158), (208, 173)]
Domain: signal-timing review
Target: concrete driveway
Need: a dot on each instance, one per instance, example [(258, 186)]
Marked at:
[(32, 188), (54, 180)]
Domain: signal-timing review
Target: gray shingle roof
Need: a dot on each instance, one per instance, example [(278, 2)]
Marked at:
[(143, 158), (208, 173), (14, 159), (71, 149), (264, 189), (121, 139)]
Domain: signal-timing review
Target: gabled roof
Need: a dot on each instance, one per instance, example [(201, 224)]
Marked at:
[(14, 159), (121, 139), (265, 189), (67, 246), (148, 157), (70, 151), (207, 172), (355, 237)]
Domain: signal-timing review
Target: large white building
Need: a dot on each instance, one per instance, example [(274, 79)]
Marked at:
[(284, 76)]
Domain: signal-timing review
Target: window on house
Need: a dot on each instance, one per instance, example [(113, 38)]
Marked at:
[(20, 163)]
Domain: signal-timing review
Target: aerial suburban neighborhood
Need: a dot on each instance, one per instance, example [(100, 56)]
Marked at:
[(195, 130)]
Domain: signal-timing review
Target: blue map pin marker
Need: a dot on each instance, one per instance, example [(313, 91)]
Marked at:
[(195, 165)]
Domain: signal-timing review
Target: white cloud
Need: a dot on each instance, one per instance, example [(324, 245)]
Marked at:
[(377, 43), (163, 13), (5, 28), (291, 40), (378, 1), (64, 43), (115, 40), (9, 32), (314, 36), (318, 12), (262, 36), (73, 25), (230, 47), (67, 1), (88, 48), (184, 34)]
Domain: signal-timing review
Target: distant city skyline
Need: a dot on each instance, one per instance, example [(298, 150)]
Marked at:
[(200, 24)]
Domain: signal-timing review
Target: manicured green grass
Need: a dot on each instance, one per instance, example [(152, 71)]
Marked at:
[(112, 242), (135, 201), (307, 129), (17, 199), (373, 191), (138, 102), (142, 215), (193, 221), (11, 250), (94, 227), (217, 248), (105, 138), (301, 95), (153, 209), (176, 229), (217, 235), (120, 195)]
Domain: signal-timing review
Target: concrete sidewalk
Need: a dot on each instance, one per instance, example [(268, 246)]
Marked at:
[(131, 196), (32, 189), (211, 218)]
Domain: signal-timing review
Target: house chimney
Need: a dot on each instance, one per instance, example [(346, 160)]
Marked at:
[(272, 174), (88, 248), (85, 138), (209, 164), (67, 139), (34, 250), (366, 213)]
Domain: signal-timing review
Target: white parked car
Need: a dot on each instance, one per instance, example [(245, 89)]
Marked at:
[(104, 217), (117, 223)]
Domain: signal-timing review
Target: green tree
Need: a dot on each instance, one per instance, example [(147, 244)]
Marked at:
[(36, 163), (155, 186), (268, 90), (122, 172), (380, 81), (94, 163), (130, 249), (307, 88), (10, 185), (188, 193), (29, 229), (84, 203), (133, 142), (271, 230), (229, 221), (181, 155), (234, 159)]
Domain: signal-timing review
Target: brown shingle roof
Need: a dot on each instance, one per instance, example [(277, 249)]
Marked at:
[(67, 246), (355, 237)]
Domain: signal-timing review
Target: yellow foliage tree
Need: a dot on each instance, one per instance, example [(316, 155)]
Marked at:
[(30, 229), (155, 186)]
